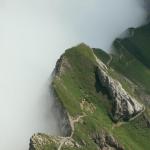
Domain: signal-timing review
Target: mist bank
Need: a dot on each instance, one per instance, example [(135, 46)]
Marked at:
[(33, 34)]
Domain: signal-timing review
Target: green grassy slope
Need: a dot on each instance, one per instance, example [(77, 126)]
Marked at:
[(131, 59), (78, 82), (135, 134), (78, 88), (133, 62), (139, 44)]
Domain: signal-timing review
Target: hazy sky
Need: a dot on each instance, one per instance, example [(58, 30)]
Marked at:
[(33, 34)]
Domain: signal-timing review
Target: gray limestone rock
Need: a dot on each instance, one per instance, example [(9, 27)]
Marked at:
[(125, 107)]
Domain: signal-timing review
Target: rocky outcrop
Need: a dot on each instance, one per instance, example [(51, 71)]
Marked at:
[(125, 107), (39, 141), (106, 141)]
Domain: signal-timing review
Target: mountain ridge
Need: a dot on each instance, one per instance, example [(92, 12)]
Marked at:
[(83, 83)]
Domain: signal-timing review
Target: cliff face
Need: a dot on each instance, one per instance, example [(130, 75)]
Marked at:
[(102, 100), (125, 107), (40, 141)]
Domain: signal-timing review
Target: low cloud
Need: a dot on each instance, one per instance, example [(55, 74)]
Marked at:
[(33, 34)]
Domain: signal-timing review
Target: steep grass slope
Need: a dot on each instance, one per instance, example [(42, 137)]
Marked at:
[(139, 44), (88, 104)]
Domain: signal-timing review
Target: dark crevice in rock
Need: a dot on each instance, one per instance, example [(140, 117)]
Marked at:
[(98, 85)]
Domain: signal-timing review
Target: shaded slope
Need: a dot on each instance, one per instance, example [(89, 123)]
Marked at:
[(138, 43)]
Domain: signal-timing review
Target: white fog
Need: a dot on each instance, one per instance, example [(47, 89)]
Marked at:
[(33, 34)]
